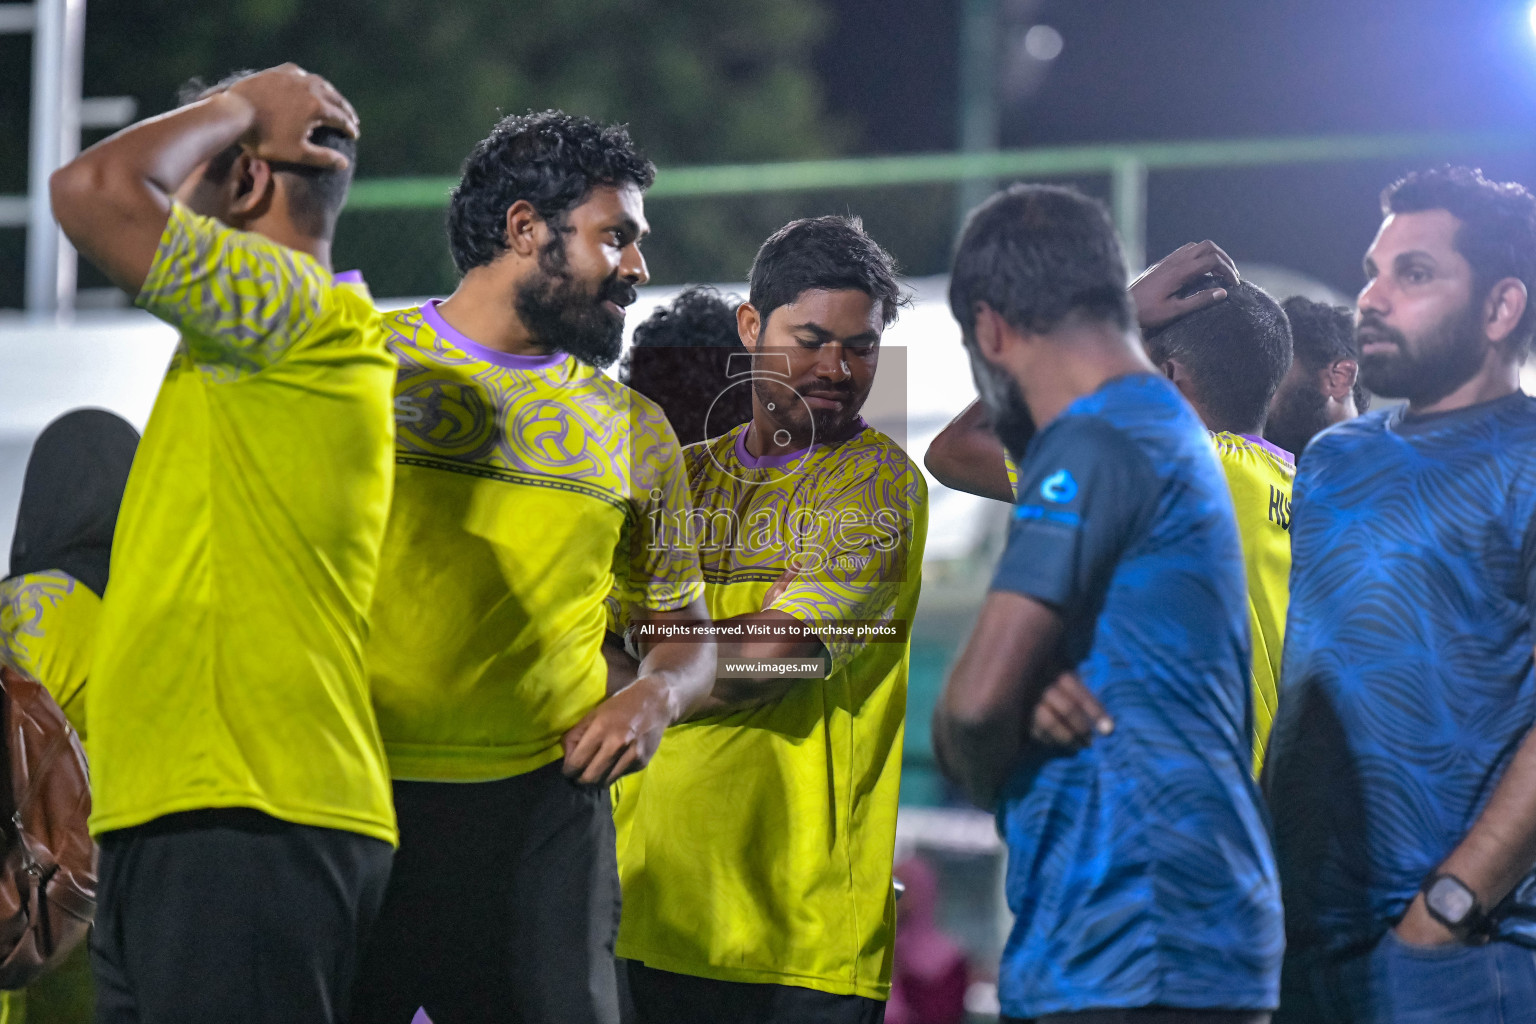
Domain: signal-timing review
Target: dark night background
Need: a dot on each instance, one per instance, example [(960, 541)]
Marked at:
[(1199, 69), (705, 81)]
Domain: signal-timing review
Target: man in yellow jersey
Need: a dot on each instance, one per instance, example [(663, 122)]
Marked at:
[(524, 476), (756, 849), (51, 601), (1227, 356), (240, 793)]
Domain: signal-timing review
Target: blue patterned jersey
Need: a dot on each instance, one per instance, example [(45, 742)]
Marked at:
[(1407, 680), (1139, 868)]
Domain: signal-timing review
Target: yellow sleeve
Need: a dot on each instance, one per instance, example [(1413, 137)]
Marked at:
[(853, 566), (239, 299), (1012, 469), (656, 571)]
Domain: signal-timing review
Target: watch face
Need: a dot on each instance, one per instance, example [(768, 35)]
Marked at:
[(1450, 900)]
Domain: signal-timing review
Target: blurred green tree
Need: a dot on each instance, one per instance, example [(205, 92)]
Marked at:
[(698, 81)]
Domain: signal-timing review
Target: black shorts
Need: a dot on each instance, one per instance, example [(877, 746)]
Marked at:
[(502, 907), (661, 997), (232, 916)]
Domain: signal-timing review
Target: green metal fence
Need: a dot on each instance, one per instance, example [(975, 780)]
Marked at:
[(1127, 165)]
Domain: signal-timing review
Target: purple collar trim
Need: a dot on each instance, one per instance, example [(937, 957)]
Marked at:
[(751, 461), (348, 277), (1273, 449), (435, 321)]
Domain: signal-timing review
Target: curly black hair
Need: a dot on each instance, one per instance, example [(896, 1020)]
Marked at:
[(1036, 254), (1323, 335), (1497, 234), (680, 360), (699, 317), (551, 159), (829, 253)]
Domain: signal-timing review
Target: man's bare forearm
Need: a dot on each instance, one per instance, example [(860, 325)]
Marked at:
[(751, 688), (967, 456), (113, 199), (1500, 850), (978, 755), (982, 719), (683, 671)]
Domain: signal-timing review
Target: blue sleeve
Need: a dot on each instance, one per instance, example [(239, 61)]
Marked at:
[(1086, 492)]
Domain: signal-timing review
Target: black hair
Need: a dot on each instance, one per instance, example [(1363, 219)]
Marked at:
[(680, 360), (1236, 352), (823, 253), (1323, 334), (1037, 254), (318, 193), (553, 160), (699, 317), (70, 496), (1497, 235)]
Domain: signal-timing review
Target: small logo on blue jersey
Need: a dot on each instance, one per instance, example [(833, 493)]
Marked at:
[(1059, 487)]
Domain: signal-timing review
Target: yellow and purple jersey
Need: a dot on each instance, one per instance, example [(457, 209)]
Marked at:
[(229, 660), (520, 484), (48, 633), (757, 846)]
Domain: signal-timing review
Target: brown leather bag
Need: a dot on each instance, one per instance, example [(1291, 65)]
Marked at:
[(48, 871)]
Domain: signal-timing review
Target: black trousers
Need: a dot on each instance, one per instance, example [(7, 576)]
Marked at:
[(232, 916), (1148, 1015), (503, 906), (661, 997)]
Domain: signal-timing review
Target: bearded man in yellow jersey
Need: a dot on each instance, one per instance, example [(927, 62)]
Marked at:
[(240, 793), (1226, 345), (524, 478), (756, 849)]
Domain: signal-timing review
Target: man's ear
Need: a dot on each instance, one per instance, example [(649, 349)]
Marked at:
[(993, 334), (1338, 379), (527, 232), (1179, 375), (250, 184), (1503, 308), (749, 325)]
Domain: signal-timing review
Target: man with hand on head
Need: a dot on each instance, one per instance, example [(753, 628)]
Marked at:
[(1226, 345), (756, 850), (1402, 772), (240, 793), (525, 480), (968, 456), (1139, 870)]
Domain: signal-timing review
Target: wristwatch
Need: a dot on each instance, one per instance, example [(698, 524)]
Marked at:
[(1451, 901)]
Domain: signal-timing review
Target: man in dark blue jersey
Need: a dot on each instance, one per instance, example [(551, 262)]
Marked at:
[(1403, 768), (1139, 866)]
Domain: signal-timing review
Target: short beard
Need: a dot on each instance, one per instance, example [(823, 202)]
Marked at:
[(563, 314), (1299, 415), (1446, 358), (1006, 409)]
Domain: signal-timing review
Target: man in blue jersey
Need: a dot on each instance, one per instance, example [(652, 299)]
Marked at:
[(1139, 868), (1403, 766)]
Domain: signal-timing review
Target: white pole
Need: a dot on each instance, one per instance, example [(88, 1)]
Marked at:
[(57, 59)]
